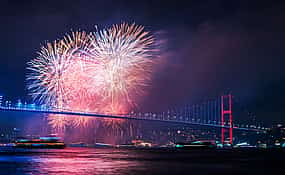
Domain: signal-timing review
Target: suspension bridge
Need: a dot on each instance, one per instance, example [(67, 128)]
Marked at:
[(213, 113)]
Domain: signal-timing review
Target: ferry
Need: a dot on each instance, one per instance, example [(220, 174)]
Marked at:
[(136, 144), (41, 142)]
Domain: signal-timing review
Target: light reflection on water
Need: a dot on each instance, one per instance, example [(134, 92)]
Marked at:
[(81, 165), (85, 161), (71, 161)]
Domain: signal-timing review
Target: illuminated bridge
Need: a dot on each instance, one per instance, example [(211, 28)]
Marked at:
[(213, 113)]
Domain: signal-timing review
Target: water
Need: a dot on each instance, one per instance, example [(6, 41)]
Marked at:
[(140, 162)]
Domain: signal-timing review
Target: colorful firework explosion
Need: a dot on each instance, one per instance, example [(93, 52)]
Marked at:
[(105, 72)]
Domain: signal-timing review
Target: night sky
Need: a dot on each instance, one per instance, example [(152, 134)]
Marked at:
[(209, 46)]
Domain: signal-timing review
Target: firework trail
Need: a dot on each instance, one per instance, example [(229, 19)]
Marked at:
[(106, 71)]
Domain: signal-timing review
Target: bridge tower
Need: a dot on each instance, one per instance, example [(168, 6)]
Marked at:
[(226, 117)]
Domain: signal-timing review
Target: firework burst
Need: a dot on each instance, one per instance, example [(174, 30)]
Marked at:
[(47, 73), (105, 72), (125, 51)]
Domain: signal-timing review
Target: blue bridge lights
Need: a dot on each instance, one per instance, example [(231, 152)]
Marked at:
[(185, 115)]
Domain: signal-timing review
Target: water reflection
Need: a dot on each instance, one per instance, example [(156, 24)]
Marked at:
[(72, 161), (77, 161)]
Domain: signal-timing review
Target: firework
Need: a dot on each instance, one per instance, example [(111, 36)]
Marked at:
[(47, 73), (125, 52), (106, 71)]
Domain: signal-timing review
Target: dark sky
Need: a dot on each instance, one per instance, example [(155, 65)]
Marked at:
[(212, 46)]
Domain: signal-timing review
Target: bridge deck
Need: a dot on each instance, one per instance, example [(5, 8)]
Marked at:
[(129, 117)]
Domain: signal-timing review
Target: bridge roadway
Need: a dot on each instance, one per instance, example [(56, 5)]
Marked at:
[(123, 116)]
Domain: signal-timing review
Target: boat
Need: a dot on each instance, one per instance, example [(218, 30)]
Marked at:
[(96, 145), (196, 145), (136, 144), (41, 142)]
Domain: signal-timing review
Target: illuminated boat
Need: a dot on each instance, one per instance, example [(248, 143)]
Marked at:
[(41, 142), (136, 144), (196, 145)]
